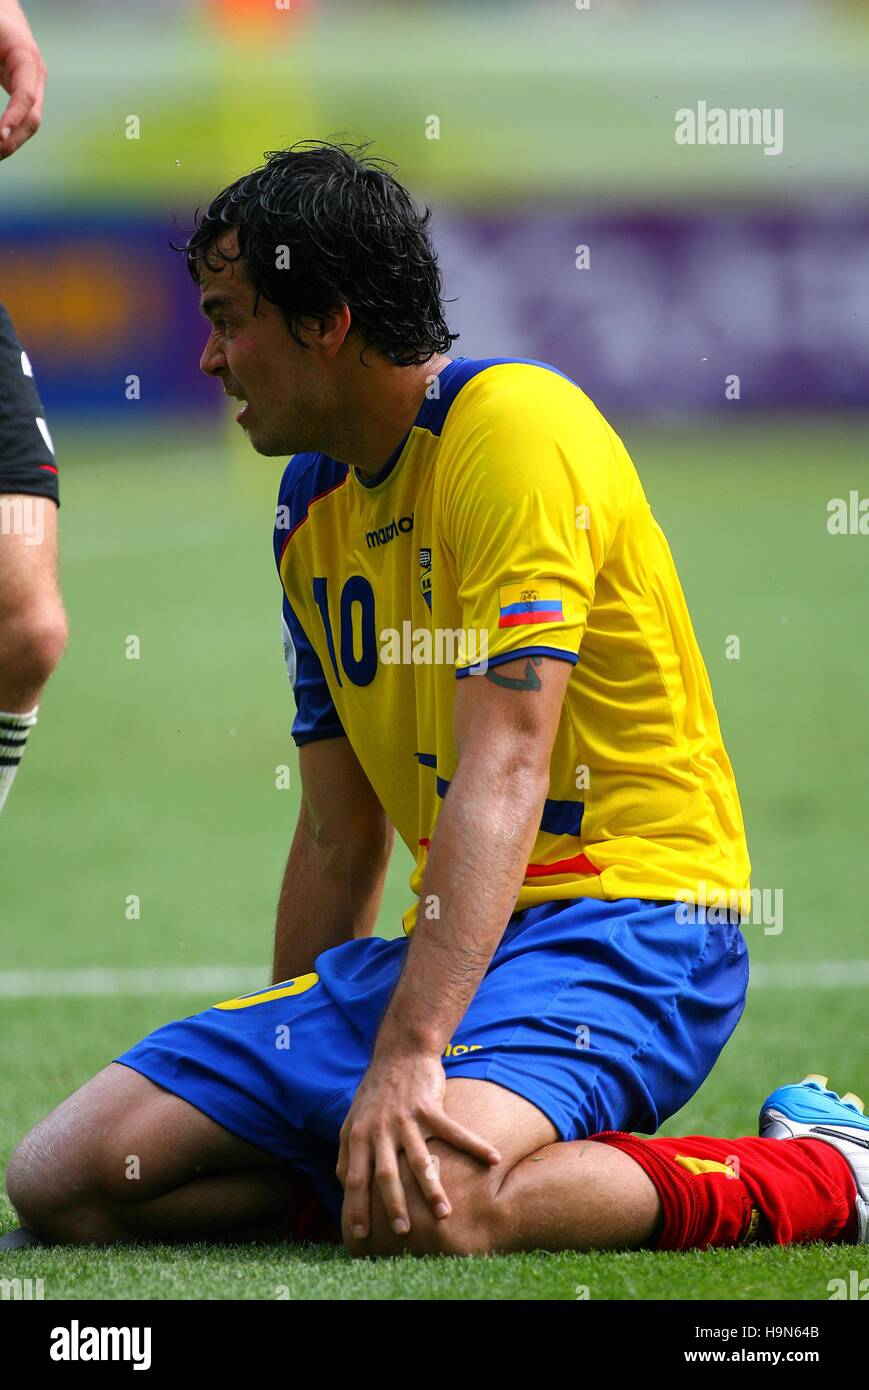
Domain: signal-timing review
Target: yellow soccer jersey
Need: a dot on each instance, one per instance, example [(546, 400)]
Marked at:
[(511, 522)]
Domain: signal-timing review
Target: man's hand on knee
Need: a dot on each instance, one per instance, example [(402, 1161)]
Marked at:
[(397, 1109), (468, 1229)]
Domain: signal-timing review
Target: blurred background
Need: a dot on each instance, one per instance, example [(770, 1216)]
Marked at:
[(143, 843), (534, 128)]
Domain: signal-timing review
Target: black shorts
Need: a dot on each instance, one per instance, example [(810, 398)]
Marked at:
[(27, 463)]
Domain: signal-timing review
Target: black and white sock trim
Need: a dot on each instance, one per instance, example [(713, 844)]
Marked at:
[(14, 733)]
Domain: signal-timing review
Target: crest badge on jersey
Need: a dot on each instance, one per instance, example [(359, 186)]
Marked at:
[(425, 577)]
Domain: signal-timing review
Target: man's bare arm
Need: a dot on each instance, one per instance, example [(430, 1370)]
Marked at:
[(333, 882), (505, 729)]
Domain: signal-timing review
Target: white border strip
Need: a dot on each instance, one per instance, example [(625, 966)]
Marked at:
[(218, 981), (810, 974), (228, 981)]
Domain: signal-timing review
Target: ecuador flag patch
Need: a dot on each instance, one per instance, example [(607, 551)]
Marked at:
[(538, 601)]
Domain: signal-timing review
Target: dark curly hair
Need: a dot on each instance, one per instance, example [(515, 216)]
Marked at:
[(350, 234)]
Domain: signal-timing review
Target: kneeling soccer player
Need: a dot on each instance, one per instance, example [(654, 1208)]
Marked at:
[(560, 778)]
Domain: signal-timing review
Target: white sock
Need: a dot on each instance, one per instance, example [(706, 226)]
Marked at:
[(14, 733)]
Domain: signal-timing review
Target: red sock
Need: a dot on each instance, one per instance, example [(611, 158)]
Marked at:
[(732, 1191), (306, 1220)]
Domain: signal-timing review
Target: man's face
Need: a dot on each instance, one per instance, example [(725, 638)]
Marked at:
[(282, 387)]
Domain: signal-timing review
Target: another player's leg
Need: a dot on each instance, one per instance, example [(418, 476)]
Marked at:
[(32, 618), (32, 621), (122, 1159)]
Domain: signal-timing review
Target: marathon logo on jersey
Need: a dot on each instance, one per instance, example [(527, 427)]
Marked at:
[(536, 601), (384, 534), (425, 577)]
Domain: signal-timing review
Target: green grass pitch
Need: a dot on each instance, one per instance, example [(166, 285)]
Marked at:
[(155, 778)]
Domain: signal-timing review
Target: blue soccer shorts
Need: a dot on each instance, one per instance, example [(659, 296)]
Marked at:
[(605, 1015)]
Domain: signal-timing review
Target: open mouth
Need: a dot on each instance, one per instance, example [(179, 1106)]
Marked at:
[(240, 417)]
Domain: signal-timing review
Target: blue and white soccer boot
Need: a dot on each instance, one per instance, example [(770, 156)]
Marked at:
[(810, 1111)]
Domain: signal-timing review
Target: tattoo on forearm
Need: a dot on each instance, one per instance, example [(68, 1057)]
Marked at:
[(530, 681)]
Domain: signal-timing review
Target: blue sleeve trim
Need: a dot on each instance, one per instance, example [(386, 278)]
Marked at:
[(558, 818), (301, 739), (483, 666), (562, 817), (306, 477), (316, 716)]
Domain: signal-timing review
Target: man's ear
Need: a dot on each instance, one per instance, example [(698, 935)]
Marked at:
[(327, 333)]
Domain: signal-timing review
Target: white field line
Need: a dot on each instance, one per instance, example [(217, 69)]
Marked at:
[(227, 981), (819, 974), (219, 981)]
